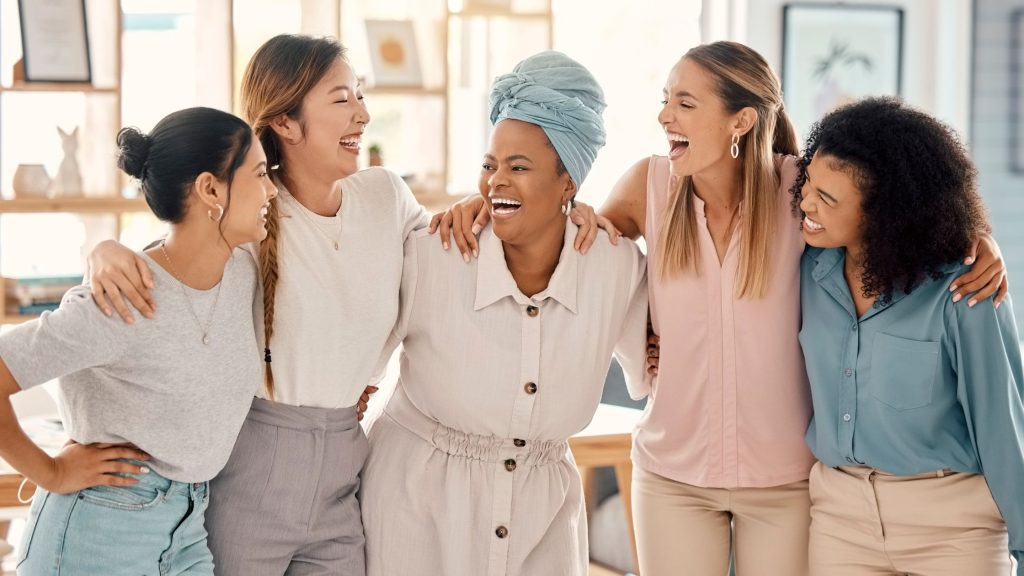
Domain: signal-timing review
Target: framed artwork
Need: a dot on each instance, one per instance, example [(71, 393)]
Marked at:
[(833, 54), (54, 41), (393, 55), (1017, 91)]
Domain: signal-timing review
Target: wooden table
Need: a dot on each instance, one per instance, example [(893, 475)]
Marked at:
[(607, 441)]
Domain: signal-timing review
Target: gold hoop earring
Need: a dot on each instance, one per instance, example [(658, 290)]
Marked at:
[(220, 213), (734, 150)]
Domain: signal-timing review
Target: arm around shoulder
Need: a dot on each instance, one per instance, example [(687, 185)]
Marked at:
[(626, 206)]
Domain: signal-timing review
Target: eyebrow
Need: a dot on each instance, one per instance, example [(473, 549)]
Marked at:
[(824, 193), (261, 166), (510, 158), (340, 87), (681, 94)]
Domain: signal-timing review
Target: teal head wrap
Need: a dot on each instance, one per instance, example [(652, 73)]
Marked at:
[(558, 94)]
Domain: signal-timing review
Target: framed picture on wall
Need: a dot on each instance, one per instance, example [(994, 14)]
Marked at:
[(393, 55), (1017, 91), (54, 41), (833, 54)]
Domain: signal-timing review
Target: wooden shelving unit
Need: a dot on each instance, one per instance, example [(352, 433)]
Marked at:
[(83, 205), (114, 204)]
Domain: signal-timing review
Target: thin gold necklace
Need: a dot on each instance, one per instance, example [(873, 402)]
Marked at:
[(205, 330), (335, 241)]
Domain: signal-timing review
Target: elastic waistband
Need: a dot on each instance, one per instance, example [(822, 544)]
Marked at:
[(302, 417), (867, 471), (454, 442)]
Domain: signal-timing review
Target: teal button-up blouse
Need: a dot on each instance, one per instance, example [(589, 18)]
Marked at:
[(917, 384)]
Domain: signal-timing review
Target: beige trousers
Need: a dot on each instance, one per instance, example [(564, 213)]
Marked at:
[(867, 523), (684, 530)]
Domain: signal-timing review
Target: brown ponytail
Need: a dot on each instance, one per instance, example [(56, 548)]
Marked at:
[(785, 141)]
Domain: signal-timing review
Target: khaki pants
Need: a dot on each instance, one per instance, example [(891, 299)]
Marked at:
[(684, 530), (866, 523)]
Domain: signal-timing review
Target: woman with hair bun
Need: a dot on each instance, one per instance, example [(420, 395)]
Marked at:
[(152, 408)]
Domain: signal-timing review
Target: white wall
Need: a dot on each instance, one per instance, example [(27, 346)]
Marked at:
[(936, 50)]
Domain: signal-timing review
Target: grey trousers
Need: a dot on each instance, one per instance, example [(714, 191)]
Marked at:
[(286, 503)]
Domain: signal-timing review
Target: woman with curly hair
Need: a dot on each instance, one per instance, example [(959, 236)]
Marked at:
[(918, 420)]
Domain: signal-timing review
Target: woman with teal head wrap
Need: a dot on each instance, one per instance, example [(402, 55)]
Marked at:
[(505, 358)]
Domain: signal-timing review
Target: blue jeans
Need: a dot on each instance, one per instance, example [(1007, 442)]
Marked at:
[(154, 528)]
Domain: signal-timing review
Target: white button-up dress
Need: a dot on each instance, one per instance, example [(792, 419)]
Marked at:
[(469, 471)]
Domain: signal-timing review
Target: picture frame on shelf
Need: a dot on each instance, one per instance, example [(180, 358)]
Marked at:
[(54, 41), (1016, 91), (394, 57), (833, 54)]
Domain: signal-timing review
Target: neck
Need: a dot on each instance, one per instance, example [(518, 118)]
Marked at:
[(853, 268), (720, 187), (317, 194), (197, 254), (532, 263)]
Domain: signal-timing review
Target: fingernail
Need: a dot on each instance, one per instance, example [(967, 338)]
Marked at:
[(466, 258), (956, 298), (107, 312), (131, 320), (143, 470), (997, 305), (444, 245), (476, 229), (476, 253), (971, 303), (968, 260), (952, 288)]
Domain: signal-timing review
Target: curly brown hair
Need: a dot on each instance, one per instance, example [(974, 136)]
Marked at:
[(918, 184)]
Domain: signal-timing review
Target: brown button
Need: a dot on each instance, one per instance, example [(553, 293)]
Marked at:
[(532, 311), (501, 532), (510, 464), (530, 388), (519, 443)]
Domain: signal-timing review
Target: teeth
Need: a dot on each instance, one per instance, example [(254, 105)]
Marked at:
[(350, 141), (677, 138), (505, 202), (812, 225)]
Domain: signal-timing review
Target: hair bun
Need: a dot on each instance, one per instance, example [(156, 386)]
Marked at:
[(133, 152)]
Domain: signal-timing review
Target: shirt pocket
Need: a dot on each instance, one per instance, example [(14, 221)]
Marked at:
[(903, 371)]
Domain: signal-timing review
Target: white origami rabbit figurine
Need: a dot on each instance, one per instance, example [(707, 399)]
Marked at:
[(68, 181)]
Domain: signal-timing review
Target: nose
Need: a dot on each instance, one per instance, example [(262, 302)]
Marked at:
[(806, 205), (663, 115), (496, 179), (363, 115), (271, 191)]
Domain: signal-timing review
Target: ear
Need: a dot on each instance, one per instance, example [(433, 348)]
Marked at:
[(210, 191), (743, 121), (570, 190), (287, 129)]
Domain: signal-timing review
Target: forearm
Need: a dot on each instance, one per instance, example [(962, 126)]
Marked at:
[(19, 451)]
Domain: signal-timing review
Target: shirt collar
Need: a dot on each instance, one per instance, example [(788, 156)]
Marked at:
[(828, 272), (494, 281)]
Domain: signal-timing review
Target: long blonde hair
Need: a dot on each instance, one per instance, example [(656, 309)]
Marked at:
[(276, 81), (743, 79)]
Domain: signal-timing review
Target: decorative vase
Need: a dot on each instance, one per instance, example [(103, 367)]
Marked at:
[(31, 181)]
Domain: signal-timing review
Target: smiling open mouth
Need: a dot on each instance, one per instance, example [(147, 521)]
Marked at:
[(505, 205)]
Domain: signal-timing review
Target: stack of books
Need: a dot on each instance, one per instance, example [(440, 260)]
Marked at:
[(35, 295)]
